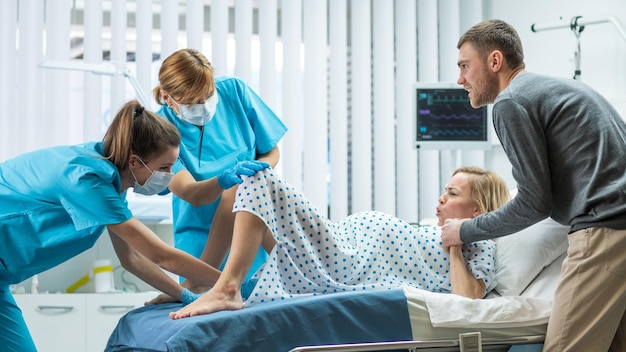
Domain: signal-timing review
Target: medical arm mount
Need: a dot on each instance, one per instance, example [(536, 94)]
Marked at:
[(104, 68), (576, 25)]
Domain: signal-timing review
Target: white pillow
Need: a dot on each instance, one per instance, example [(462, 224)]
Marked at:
[(521, 256), (544, 285)]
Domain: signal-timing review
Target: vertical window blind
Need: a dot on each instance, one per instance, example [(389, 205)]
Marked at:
[(338, 72)]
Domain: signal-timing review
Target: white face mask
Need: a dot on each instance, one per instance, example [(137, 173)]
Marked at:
[(199, 114), (156, 183)]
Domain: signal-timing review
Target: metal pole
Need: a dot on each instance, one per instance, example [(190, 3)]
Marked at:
[(104, 68), (576, 29), (535, 27), (576, 25)]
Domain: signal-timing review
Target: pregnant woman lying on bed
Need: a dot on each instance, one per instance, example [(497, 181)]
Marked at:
[(310, 254)]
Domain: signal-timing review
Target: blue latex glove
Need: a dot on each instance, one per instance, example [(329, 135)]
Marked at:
[(232, 177), (247, 287), (187, 296)]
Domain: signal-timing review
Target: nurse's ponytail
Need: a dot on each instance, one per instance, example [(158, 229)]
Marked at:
[(135, 130)]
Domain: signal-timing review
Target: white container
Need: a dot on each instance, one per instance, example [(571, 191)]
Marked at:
[(103, 276), (34, 284)]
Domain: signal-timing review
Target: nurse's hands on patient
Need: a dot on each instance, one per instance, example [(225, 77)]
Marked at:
[(161, 299), (232, 177), (186, 296), (451, 233)]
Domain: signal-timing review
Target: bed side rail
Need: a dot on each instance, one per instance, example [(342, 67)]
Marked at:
[(436, 345)]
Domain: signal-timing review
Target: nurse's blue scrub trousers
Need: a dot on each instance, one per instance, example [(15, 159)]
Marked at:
[(14, 335)]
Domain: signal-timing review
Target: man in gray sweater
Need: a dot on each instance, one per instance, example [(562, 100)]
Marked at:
[(567, 146)]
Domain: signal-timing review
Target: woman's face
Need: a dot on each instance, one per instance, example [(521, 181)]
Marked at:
[(456, 200), (163, 163), (196, 97)]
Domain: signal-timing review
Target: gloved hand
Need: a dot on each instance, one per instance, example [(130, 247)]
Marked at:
[(232, 177), (247, 287), (187, 296)]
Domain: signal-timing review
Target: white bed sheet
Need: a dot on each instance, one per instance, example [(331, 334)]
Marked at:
[(507, 311), (423, 329), (545, 283), (436, 316)]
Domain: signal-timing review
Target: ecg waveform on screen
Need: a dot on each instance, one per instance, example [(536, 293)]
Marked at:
[(446, 115), (452, 116), (457, 132)]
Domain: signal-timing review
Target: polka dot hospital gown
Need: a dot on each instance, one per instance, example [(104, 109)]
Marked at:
[(366, 251)]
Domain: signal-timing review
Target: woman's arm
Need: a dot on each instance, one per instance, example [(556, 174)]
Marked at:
[(463, 282), (195, 192), (207, 191), (144, 252), (270, 157), (141, 267)]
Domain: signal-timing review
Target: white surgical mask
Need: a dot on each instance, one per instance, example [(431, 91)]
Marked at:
[(156, 183), (199, 114)]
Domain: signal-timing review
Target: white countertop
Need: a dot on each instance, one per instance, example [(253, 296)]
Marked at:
[(150, 209)]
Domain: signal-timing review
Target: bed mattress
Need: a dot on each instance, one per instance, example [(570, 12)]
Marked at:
[(403, 314)]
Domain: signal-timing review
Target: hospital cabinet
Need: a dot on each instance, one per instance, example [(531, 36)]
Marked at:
[(76, 322)]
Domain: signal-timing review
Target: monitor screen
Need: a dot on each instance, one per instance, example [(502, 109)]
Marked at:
[(446, 120)]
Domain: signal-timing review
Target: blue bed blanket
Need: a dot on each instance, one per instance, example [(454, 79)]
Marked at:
[(372, 316)]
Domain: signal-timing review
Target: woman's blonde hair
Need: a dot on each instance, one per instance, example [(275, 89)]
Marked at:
[(185, 75), (489, 191), (135, 130)]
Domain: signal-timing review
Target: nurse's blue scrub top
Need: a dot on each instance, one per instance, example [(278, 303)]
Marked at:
[(242, 127), (54, 204)]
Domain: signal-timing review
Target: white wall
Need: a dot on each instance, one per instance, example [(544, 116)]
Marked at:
[(603, 50)]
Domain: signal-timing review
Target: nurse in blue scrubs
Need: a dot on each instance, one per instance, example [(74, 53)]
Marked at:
[(56, 202), (224, 124)]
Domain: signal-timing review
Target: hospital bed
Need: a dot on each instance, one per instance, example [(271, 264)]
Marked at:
[(512, 318)]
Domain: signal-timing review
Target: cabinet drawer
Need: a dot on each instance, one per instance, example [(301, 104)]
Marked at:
[(104, 311), (76, 322), (56, 322)]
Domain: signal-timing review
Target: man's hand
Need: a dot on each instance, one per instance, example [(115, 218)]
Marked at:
[(451, 233)]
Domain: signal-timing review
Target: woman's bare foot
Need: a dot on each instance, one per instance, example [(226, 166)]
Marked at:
[(213, 301)]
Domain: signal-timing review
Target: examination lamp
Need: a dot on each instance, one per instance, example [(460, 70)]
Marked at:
[(105, 69), (576, 25)]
